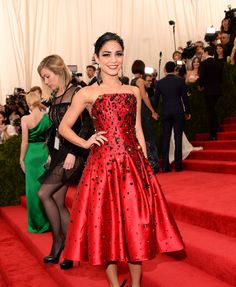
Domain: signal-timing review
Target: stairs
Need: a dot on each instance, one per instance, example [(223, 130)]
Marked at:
[(217, 156), (163, 271), (202, 199)]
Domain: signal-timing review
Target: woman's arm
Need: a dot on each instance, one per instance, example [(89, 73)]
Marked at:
[(144, 96), (79, 103), (232, 56), (138, 125), (187, 77), (24, 142)]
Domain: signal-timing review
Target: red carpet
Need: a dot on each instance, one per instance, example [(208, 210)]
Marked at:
[(202, 199), (218, 156)]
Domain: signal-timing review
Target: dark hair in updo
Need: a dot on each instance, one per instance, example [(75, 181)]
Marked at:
[(108, 36), (138, 67)]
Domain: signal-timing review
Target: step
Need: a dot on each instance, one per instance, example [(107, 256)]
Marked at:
[(228, 127), (220, 155), (229, 135), (16, 261), (210, 251), (164, 271), (207, 202), (229, 120), (184, 207), (2, 281), (218, 144), (215, 166), (173, 273), (39, 245)]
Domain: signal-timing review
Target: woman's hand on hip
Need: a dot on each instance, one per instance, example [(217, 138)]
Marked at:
[(98, 139)]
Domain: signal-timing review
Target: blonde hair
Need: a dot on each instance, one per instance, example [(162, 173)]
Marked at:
[(33, 99), (36, 89), (55, 64)]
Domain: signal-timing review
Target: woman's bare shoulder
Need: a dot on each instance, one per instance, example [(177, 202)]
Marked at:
[(26, 118), (85, 92), (89, 94), (134, 90)]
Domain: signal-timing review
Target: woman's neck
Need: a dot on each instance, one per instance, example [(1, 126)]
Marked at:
[(60, 91), (35, 110), (111, 81)]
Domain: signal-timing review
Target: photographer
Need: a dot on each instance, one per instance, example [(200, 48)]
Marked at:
[(6, 130), (16, 107), (191, 51), (229, 23), (180, 64), (226, 42)]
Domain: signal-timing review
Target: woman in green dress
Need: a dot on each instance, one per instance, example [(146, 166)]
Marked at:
[(33, 156)]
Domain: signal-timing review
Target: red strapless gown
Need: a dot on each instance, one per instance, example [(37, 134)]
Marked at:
[(119, 212)]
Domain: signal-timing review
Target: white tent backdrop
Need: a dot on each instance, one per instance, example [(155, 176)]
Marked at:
[(33, 29)]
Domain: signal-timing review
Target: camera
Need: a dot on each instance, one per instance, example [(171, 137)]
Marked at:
[(179, 63), (75, 74), (10, 99), (211, 35), (189, 50), (16, 122), (76, 81)]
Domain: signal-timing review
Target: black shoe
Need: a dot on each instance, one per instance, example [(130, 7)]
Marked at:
[(66, 264), (123, 284), (211, 138), (156, 170), (166, 169), (179, 169), (53, 259)]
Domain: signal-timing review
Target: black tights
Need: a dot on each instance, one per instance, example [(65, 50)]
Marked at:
[(52, 197)]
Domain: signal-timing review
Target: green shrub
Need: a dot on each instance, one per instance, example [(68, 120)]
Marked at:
[(12, 182)]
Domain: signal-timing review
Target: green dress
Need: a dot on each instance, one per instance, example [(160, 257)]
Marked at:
[(35, 158)]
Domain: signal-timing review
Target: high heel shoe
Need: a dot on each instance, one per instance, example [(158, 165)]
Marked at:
[(123, 283), (53, 259), (66, 264)]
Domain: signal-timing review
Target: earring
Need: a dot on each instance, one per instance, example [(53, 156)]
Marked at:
[(99, 78), (122, 75)]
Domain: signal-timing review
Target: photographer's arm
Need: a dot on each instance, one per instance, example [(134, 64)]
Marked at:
[(24, 142)]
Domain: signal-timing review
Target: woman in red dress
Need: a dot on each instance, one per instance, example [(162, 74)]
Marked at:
[(119, 212)]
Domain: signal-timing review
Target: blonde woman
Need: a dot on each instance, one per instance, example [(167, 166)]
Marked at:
[(67, 160), (33, 156)]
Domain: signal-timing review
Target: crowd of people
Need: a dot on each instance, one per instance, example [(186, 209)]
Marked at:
[(99, 136)]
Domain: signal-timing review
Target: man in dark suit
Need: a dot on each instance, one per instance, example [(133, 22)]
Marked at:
[(175, 108), (210, 80), (91, 73)]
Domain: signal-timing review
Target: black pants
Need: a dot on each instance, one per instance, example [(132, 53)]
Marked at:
[(175, 121), (211, 101)]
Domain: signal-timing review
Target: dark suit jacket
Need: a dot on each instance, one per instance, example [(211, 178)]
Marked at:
[(210, 76), (174, 97), (92, 81)]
